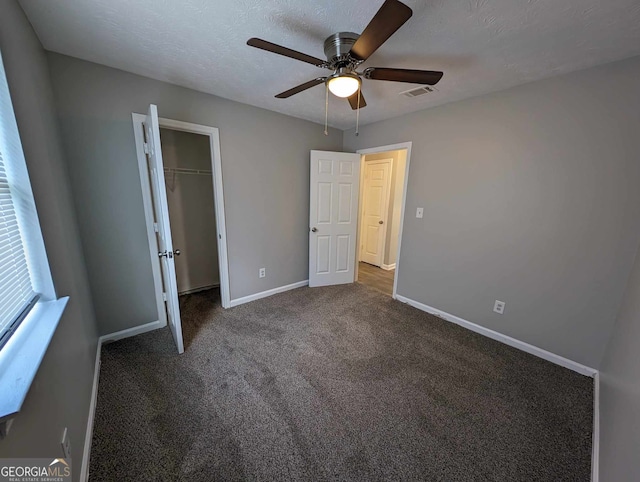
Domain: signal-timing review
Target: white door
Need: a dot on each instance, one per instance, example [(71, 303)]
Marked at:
[(161, 214), (333, 217), (377, 177)]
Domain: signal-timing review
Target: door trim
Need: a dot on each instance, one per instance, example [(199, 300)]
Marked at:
[(375, 150), (218, 202), (361, 205)]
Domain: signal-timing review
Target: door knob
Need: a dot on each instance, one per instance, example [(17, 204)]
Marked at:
[(177, 252), (381, 222), (314, 230)]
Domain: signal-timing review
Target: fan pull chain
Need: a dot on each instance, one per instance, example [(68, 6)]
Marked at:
[(326, 110), (358, 113)]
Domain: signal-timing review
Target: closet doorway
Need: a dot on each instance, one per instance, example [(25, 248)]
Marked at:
[(181, 179), (189, 186)]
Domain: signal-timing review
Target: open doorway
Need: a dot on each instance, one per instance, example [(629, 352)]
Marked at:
[(189, 189), (337, 217), (382, 186), (182, 193)]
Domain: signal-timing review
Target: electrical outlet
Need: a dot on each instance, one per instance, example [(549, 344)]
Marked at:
[(262, 272), (498, 307), (419, 212), (66, 444)]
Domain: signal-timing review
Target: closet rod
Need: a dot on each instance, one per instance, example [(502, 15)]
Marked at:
[(182, 170)]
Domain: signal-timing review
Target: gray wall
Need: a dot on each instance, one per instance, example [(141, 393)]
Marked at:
[(265, 168), (531, 197), (620, 391), (61, 392), (191, 209)]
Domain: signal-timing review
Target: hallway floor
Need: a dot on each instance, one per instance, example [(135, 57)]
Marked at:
[(376, 278)]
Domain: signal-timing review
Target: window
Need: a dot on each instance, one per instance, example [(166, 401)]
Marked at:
[(29, 310), (17, 295), (24, 271)]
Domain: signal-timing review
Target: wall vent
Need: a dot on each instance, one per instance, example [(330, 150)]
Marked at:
[(425, 89)]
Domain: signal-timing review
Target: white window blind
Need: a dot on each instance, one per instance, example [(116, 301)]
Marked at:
[(24, 270), (16, 289)]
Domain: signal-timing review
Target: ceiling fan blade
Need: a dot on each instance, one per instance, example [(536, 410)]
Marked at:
[(280, 50), (391, 16), (301, 87), (353, 101), (428, 77)]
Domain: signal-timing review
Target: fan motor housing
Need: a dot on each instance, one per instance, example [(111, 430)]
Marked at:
[(337, 47)]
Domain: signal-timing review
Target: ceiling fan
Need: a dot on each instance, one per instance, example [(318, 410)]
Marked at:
[(345, 51)]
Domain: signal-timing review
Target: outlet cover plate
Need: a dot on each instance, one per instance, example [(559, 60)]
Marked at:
[(498, 307)]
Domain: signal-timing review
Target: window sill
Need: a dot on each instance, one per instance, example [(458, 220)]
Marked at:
[(20, 358)]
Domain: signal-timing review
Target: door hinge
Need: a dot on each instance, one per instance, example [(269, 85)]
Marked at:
[(155, 227), (146, 148), (164, 296)]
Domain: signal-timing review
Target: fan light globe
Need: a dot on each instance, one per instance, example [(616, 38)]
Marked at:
[(344, 85)]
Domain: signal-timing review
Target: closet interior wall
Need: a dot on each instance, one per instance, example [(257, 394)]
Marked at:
[(189, 185)]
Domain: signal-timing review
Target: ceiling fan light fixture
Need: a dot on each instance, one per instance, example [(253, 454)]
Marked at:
[(343, 85)]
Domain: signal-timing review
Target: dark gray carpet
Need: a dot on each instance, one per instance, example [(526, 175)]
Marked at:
[(337, 383)]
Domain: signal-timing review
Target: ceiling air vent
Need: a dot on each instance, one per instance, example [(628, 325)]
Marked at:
[(425, 89)]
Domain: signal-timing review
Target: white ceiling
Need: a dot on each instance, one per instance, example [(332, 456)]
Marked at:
[(481, 45)]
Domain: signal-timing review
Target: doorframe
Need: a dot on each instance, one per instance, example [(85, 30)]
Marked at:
[(218, 202), (375, 150), (363, 165)]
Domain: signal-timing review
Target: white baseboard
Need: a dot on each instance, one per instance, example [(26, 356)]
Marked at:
[(388, 267), (595, 455), (507, 340), (86, 454), (136, 330), (201, 288), (264, 294)]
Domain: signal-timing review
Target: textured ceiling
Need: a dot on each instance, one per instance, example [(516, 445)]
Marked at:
[(481, 45)]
